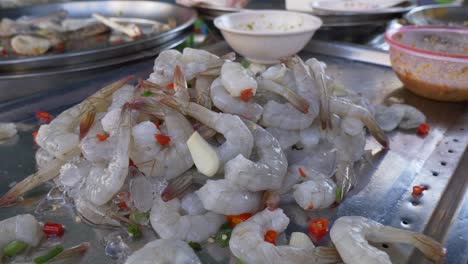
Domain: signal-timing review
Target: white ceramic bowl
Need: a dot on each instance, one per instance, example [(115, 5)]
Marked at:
[(265, 36)]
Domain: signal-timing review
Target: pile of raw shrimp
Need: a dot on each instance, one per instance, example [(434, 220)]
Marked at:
[(204, 140)]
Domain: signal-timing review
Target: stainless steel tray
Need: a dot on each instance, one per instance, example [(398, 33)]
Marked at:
[(329, 20), (27, 84), (383, 192), (159, 11), (449, 15)]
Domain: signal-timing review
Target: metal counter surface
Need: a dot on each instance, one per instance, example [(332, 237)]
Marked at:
[(382, 193)]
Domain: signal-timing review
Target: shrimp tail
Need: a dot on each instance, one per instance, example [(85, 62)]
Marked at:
[(92, 104), (432, 249), (345, 179), (86, 121), (180, 85), (177, 187), (327, 255), (325, 116), (29, 183), (271, 200), (377, 133)]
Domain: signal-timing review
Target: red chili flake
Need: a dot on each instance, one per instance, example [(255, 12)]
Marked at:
[(102, 137), (162, 139), (156, 123), (43, 116), (270, 236), (53, 229), (318, 228), (418, 190), (423, 129), (301, 172), (34, 135), (123, 205), (234, 220), (123, 196), (170, 86), (246, 95)]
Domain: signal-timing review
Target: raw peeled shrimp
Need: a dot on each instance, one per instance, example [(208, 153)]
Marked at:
[(192, 61), (294, 99), (163, 251), (305, 84), (24, 228), (174, 159), (234, 105), (29, 45), (111, 120), (281, 75), (286, 138), (103, 183), (59, 137), (352, 234), (236, 80), (223, 197), (285, 116), (315, 193), (239, 140), (169, 222), (247, 242), (267, 171), (345, 108), (398, 115), (145, 147)]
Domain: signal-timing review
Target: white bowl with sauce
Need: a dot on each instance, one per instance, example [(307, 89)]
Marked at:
[(266, 36)]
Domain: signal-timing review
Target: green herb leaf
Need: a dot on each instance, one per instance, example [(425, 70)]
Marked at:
[(138, 217), (49, 255), (223, 237), (134, 231), (338, 197), (195, 246), (226, 225), (239, 261), (14, 248), (146, 93), (245, 63)]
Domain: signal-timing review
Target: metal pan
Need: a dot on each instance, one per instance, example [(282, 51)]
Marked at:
[(329, 20), (46, 80), (137, 10), (449, 15)]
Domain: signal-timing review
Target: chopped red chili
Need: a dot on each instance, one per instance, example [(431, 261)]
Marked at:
[(423, 129), (53, 229), (246, 95), (318, 228), (302, 173), (162, 139), (270, 236), (102, 137), (237, 219), (170, 86), (418, 190), (43, 116)]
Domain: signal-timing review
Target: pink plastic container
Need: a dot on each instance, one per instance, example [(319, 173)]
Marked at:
[(431, 61)]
